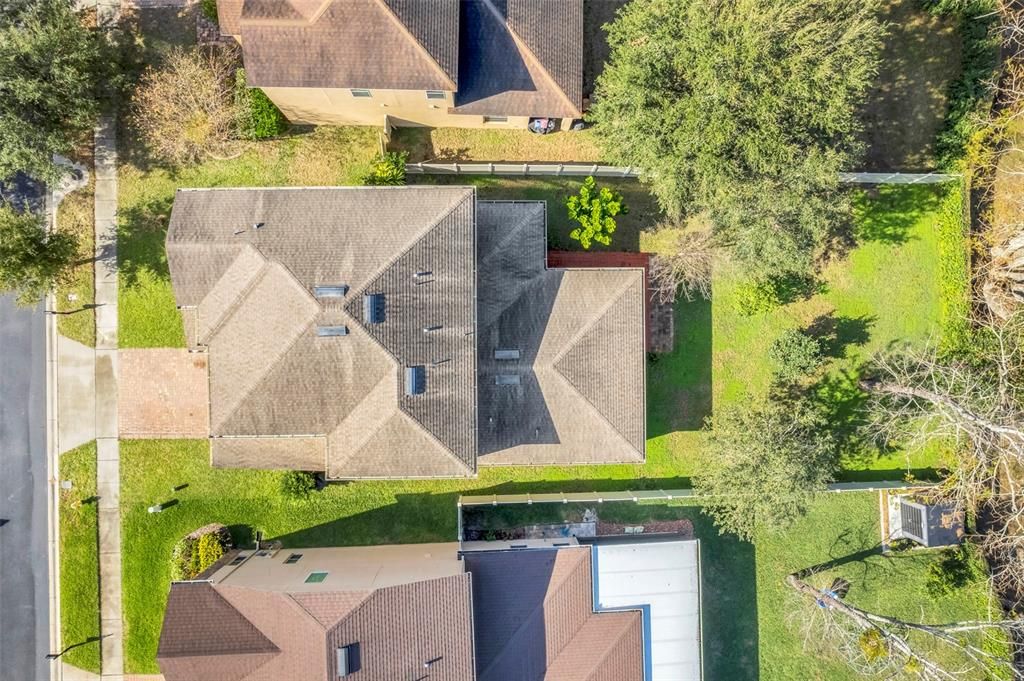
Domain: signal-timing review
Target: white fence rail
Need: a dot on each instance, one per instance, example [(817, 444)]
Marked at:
[(598, 170)]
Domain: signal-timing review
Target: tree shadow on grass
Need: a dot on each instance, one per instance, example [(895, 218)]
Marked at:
[(887, 213), (141, 232), (836, 333), (679, 396)]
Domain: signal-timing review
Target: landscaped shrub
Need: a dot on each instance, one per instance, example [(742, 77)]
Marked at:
[(955, 568), (297, 485), (198, 550), (795, 354), (756, 297), (387, 169), (258, 117), (970, 95), (209, 9), (595, 210)]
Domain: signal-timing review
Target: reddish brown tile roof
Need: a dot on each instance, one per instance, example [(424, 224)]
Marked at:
[(386, 44), (217, 632), (534, 619)]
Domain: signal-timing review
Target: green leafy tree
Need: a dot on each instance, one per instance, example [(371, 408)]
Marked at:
[(764, 463), (595, 210), (297, 485), (744, 110), (795, 354), (50, 66), (387, 169), (32, 260)]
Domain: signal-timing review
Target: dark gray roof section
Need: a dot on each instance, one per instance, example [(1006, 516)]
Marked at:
[(553, 30), (445, 299), (498, 77), (435, 24), (569, 405)]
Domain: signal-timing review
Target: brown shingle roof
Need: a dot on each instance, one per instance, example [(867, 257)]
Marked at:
[(295, 636), (388, 44), (553, 31), (534, 618), (273, 376), (569, 407)]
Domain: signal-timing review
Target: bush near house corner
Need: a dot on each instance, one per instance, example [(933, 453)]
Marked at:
[(387, 169), (258, 117), (209, 10), (198, 550)]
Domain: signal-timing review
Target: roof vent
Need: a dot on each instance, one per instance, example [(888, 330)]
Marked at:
[(423, 273), (506, 379), (325, 331), (373, 308), (434, 327), (257, 225), (348, 660), (336, 291), (415, 380)]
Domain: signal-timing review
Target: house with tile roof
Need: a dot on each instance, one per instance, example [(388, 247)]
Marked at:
[(455, 63), (399, 613), (403, 332)]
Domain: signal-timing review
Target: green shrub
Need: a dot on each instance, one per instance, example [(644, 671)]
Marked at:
[(387, 169), (197, 551), (209, 551), (795, 354), (595, 210), (258, 117), (873, 645), (955, 568), (970, 95), (297, 485), (209, 10), (756, 297)]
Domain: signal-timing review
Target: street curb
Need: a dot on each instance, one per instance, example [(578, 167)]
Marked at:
[(52, 464)]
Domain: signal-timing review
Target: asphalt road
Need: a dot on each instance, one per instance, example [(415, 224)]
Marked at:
[(24, 581)]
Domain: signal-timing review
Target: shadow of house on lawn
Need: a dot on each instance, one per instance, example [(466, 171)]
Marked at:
[(679, 393), (728, 568)]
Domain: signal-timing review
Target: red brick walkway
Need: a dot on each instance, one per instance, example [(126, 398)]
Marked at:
[(163, 393)]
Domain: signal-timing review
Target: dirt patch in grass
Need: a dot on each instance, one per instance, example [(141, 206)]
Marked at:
[(463, 144), (906, 108), (76, 296)]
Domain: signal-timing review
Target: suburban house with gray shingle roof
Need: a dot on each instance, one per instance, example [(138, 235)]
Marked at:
[(455, 63), (401, 332), (400, 613)]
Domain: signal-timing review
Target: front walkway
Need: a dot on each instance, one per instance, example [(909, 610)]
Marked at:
[(108, 471)]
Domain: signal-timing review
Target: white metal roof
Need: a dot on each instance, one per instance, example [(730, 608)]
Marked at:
[(662, 578)]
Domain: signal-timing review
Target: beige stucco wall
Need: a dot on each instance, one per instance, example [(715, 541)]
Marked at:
[(337, 106), (360, 568)]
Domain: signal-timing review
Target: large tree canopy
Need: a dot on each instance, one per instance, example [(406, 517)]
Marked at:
[(32, 260), (49, 73), (744, 110), (764, 463)]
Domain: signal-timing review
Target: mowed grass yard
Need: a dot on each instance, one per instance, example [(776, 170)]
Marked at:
[(79, 559)]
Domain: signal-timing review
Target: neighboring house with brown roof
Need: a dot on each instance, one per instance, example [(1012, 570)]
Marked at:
[(398, 613), (403, 332), (461, 63)]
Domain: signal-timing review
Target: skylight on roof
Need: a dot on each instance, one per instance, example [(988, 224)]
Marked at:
[(324, 331), (332, 291), (415, 380), (374, 311)]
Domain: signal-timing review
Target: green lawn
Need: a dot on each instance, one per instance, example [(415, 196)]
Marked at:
[(79, 559)]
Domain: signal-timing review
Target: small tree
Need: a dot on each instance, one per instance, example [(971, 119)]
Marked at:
[(595, 210), (686, 268), (32, 260), (764, 463), (795, 354), (50, 65), (186, 109), (387, 169)]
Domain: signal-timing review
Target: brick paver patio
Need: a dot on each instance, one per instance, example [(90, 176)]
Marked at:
[(164, 393)]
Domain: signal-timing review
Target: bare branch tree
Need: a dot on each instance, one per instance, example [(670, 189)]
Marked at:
[(875, 644), (686, 268), (975, 405)]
